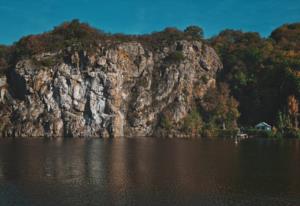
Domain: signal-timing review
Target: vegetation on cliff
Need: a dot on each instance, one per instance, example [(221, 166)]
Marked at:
[(83, 36), (263, 75), (78, 81), (260, 80)]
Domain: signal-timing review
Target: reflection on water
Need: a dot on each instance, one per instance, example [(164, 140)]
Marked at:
[(146, 171)]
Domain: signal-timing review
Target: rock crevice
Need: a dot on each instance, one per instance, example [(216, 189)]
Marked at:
[(112, 92)]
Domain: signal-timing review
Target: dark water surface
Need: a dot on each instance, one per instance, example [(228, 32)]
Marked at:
[(147, 171)]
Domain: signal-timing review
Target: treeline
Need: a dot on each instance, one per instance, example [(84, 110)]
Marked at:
[(263, 75), (82, 36)]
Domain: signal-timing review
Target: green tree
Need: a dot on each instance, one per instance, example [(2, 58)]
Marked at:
[(221, 107), (195, 32), (283, 122), (193, 122), (164, 122), (257, 70)]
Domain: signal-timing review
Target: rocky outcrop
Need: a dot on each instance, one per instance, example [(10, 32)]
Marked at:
[(115, 91)]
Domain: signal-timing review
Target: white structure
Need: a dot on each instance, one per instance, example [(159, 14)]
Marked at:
[(263, 126)]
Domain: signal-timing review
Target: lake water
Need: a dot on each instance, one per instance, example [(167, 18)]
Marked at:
[(148, 171)]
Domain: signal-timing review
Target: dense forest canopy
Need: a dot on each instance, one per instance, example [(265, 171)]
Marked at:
[(262, 74)]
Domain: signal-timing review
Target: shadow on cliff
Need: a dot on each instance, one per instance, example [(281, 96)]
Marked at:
[(17, 85)]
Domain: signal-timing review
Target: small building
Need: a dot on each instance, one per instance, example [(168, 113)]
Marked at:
[(263, 126)]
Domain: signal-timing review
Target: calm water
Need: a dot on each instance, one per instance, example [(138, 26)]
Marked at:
[(146, 171)]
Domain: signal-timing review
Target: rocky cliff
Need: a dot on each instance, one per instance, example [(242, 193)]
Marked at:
[(116, 90)]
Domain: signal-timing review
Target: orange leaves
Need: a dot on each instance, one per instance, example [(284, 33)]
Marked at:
[(293, 105), (220, 105)]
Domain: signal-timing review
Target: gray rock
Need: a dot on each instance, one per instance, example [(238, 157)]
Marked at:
[(116, 91)]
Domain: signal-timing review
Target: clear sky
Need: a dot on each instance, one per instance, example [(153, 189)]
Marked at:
[(23, 17)]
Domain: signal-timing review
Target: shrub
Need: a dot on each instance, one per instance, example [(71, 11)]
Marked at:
[(262, 134), (192, 123), (47, 62), (164, 122), (227, 133), (174, 57), (194, 32), (209, 130), (204, 79), (291, 133), (74, 33)]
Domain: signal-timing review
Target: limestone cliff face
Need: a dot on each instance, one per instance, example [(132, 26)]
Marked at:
[(115, 91)]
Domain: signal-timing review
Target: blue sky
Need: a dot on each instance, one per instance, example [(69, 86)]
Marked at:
[(23, 17)]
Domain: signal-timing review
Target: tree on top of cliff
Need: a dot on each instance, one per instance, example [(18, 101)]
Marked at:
[(83, 36), (287, 36), (75, 29), (66, 34), (194, 32)]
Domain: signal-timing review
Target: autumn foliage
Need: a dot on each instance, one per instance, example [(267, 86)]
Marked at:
[(293, 107), (221, 108), (261, 72), (262, 75)]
